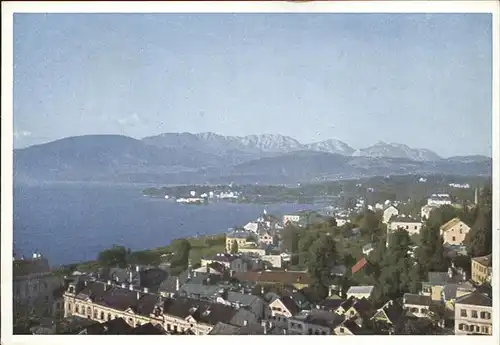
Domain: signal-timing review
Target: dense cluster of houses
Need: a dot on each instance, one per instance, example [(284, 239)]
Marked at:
[(250, 291)]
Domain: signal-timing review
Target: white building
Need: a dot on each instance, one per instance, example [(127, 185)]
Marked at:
[(439, 200), (291, 218), (360, 292), (426, 210), (389, 212)]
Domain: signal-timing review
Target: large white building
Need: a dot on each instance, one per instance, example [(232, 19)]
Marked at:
[(439, 200)]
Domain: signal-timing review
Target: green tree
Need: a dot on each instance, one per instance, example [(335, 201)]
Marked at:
[(323, 257), (397, 271), (305, 243), (479, 239), (290, 241), (234, 247), (180, 259), (116, 256)]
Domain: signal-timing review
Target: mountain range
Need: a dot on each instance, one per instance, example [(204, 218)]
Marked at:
[(179, 158)]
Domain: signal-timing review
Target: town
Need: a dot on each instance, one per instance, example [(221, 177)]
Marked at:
[(359, 269)]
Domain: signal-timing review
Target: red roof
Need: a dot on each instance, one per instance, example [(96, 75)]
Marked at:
[(359, 265)]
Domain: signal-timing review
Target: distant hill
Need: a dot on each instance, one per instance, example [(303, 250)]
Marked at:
[(180, 158)]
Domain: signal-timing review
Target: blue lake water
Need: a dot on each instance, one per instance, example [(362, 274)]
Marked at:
[(74, 222)]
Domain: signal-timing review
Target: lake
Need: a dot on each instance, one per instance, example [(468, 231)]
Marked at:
[(73, 222)]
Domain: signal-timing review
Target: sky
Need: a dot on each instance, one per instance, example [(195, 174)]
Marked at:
[(417, 79)]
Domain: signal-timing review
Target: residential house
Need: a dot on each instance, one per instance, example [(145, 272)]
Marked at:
[(425, 211), (266, 238), (454, 232), (368, 248), (416, 305), (358, 310), (238, 236), (240, 264), (34, 285), (439, 200), (274, 261), (281, 309), (360, 266), (349, 327), (223, 295), (360, 292), (297, 279), (389, 212), (412, 226), (452, 291), (116, 326), (224, 259), (436, 282), (481, 269), (473, 314), (209, 269), (388, 317), (291, 219), (171, 286), (341, 221), (253, 248), (317, 322)]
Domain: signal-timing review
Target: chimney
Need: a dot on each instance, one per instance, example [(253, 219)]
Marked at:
[(124, 285), (450, 272), (130, 277), (131, 287), (146, 290), (109, 282), (245, 322), (138, 295), (86, 283), (137, 268), (177, 284)]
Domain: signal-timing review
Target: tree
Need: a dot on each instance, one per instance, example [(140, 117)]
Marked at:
[(180, 259), (479, 240), (305, 243), (323, 257), (116, 256), (234, 247), (290, 241), (397, 271)]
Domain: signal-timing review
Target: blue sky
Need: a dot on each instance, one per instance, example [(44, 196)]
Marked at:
[(417, 79)]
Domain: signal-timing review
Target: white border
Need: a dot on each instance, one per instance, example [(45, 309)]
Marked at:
[(8, 8)]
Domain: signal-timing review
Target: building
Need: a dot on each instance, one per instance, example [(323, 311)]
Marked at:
[(473, 314), (389, 212), (416, 305), (275, 261), (238, 236), (425, 211), (341, 220), (368, 248), (412, 226), (291, 218), (360, 292), (220, 258), (266, 238), (439, 200), (297, 279), (315, 322), (437, 281), (281, 309), (454, 232), (481, 269), (103, 302), (35, 286)]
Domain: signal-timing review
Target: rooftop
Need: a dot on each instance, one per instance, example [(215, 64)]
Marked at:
[(405, 220), (484, 260), (475, 298), (360, 290), (450, 224), (284, 277), (26, 267), (359, 265), (415, 299)]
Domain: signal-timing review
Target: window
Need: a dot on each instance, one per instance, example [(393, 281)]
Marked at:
[(169, 328), (488, 315), (461, 326), (310, 331), (138, 323), (477, 329), (352, 312), (474, 314), (175, 328), (341, 329), (109, 316), (463, 312), (69, 306), (323, 333), (89, 311), (453, 238), (102, 315), (415, 227), (95, 313), (77, 309), (486, 330), (316, 332), (423, 311)]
